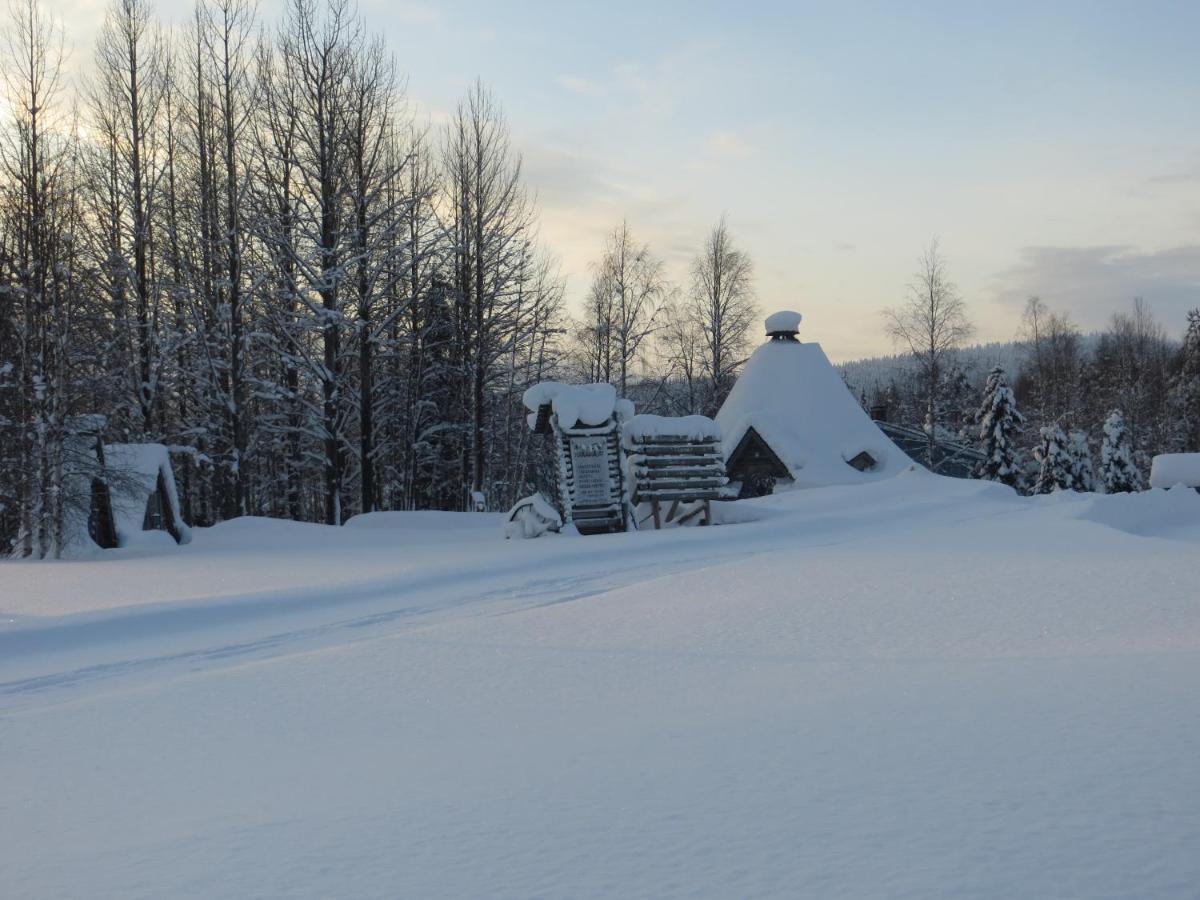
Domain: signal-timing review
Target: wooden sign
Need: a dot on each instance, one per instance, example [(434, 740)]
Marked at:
[(590, 463)]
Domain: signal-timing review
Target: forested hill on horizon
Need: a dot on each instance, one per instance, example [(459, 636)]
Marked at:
[(1059, 388), (240, 237)]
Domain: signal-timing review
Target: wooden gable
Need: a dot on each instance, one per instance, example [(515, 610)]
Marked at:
[(754, 456)]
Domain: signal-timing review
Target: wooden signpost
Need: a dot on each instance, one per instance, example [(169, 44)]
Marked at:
[(611, 461), (590, 484)]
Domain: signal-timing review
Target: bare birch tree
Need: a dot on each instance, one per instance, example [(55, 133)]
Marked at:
[(126, 99), (489, 225), (722, 303), (931, 324), (40, 214), (627, 292)]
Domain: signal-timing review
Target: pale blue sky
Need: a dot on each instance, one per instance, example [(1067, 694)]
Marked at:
[(1054, 148)]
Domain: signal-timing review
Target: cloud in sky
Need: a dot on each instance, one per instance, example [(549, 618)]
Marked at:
[(575, 85), (1091, 283), (835, 140), (727, 145), (1188, 176), (415, 13)]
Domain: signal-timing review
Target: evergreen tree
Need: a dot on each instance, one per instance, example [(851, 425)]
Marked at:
[(1184, 399), (1117, 471), (1055, 466), (999, 423), (1083, 476)]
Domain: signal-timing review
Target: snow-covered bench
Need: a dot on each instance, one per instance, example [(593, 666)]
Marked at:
[(1170, 469), (677, 461)]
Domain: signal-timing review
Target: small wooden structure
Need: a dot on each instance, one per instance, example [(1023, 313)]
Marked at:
[(790, 421), (132, 492), (755, 466), (676, 462), (590, 477), (585, 422), (1170, 469)]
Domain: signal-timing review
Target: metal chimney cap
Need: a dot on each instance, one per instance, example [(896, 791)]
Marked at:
[(783, 325)]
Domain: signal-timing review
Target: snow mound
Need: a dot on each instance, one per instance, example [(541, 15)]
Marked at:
[(1170, 469), (793, 397), (585, 404), (531, 517), (785, 321), (1173, 513), (692, 428)]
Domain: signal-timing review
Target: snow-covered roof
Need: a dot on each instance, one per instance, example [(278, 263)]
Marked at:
[(133, 476), (694, 428), (792, 396), (589, 404), (1170, 469)]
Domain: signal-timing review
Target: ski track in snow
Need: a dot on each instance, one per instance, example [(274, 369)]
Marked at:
[(912, 689), (641, 558)]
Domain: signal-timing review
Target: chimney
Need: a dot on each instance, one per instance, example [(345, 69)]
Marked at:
[(783, 325)]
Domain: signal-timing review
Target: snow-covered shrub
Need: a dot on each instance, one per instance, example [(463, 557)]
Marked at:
[(532, 517), (999, 424), (1117, 470), (1083, 476), (1055, 466)]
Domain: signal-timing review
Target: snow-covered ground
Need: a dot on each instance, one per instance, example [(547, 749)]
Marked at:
[(914, 688)]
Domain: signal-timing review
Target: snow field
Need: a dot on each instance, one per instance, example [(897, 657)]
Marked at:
[(912, 688)]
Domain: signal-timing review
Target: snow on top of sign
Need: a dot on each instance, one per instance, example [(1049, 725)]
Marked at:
[(693, 428), (134, 471), (540, 394), (1169, 469), (793, 397), (784, 321), (589, 404)]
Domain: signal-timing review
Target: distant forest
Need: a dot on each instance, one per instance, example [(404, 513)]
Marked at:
[(1061, 379), (236, 239)]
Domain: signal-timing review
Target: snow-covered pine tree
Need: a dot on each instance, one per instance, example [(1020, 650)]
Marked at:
[(1184, 399), (999, 422), (1083, 475), (1117, 471), (1055, 467)]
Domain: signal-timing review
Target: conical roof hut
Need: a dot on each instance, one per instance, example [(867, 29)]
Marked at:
[(791, 420)]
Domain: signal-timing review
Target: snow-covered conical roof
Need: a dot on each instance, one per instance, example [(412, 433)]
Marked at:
[(790, 393)]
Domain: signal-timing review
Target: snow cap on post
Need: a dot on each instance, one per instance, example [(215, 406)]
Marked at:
[(783, 325), (586, 405)]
